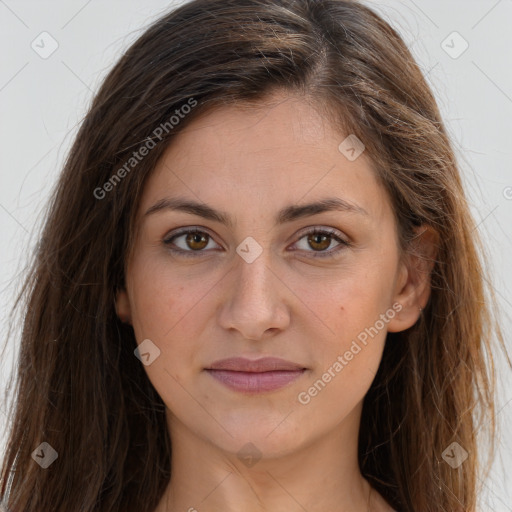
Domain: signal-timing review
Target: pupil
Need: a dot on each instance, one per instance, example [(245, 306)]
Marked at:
[(196, 238), (317, 239)]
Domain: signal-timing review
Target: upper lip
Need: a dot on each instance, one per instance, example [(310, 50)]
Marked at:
[(265, 364)]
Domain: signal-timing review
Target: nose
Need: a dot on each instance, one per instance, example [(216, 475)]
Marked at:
[(255, 300)]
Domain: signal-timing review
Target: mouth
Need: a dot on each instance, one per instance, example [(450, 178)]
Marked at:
[(255, 376)]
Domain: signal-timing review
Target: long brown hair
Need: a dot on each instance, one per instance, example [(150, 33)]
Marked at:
[(79, 386)]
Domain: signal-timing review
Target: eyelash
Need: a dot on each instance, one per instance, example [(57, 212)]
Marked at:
[(316, 231)]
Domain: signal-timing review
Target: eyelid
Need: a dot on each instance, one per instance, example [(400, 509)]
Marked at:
[(332, 233), (167, 240), (335, 233)]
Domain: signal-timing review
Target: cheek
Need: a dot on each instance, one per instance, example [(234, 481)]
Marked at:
[(347, 305), (348, 360), (165, 301), (349, 313), (171, 308), (167, 312)]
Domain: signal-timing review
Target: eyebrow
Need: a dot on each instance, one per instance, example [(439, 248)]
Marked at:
[(287, 214)]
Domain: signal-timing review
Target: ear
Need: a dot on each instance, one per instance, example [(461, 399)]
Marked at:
[(123, 309), (412, 289)]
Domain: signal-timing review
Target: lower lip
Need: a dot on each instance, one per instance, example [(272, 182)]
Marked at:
[(252, 382)]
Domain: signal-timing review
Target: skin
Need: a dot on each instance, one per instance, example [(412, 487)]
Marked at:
[(250, 163)]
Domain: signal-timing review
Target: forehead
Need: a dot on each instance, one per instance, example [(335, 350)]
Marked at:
[(277, 152)]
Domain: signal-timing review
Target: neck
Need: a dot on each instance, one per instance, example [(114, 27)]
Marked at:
[(322, 475)]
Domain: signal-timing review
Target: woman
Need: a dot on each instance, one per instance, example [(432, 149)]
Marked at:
[(259, 286)]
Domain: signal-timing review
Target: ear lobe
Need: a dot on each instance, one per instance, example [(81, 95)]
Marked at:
[(123, 309), (413, 287)]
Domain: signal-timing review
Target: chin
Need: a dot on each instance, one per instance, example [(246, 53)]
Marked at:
[(271, 435)]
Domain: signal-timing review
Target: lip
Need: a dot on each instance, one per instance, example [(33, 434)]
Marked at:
[(265, 364), (255, 376)]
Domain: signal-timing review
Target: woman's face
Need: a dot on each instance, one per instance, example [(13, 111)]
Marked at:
[(252, 283)]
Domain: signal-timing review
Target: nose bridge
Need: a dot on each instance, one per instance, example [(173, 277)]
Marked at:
[(253, 273)]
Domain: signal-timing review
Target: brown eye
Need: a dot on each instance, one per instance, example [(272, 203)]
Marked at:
[(319, 241), (188, 242), (196, 241)]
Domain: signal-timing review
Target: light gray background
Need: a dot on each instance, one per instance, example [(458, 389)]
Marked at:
[(43, 100)]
